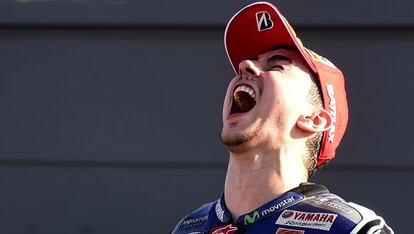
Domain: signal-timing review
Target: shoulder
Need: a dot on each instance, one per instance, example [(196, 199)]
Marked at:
[(196, 220), (343, 216), (370, 222)]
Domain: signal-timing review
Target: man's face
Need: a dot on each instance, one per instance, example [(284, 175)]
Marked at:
[(264, 102)]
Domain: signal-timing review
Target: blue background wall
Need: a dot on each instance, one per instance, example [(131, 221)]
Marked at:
[(111, 110)]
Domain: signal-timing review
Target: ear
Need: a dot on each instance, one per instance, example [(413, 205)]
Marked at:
[(319, 121)]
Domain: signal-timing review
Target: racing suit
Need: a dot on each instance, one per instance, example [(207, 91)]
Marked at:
[(309, 208)]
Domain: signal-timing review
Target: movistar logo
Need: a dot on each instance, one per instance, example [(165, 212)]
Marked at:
[(248, 219)]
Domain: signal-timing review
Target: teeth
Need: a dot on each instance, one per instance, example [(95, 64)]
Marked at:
[(244, 88), (251, 92)]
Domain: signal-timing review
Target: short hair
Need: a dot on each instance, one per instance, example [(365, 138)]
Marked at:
[(313, 144)]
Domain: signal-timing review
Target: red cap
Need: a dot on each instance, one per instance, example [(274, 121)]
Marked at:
[(260, 27)]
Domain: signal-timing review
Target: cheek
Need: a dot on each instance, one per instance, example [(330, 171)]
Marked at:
[(292, 93), (283, 103)]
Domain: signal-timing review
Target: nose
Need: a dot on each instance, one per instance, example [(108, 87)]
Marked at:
[(249, 68)]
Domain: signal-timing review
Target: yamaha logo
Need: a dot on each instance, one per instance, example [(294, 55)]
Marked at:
[(263, 20), (288, 214), (314, 220)]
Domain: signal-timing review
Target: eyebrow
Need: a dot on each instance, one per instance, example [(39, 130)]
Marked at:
[(277, 58)]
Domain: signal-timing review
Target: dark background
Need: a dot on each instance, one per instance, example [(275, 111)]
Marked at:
[(111, 110)]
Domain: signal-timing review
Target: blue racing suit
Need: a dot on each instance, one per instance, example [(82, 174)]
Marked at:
[(309, 208)]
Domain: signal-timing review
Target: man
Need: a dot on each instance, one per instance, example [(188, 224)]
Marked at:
[(284, 115)]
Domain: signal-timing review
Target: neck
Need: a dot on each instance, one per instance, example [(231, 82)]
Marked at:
[(255, 178)]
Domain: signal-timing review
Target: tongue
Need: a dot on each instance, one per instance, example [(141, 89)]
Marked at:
[(246, 102)]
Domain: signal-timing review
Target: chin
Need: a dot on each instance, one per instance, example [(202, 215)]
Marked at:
[(237, 142)]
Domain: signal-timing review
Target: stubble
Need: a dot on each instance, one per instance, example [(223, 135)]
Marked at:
[(238, 139)]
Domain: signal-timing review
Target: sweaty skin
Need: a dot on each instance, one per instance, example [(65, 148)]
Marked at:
[(267, 143)]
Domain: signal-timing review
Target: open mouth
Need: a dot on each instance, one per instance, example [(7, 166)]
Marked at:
[(244, 99)]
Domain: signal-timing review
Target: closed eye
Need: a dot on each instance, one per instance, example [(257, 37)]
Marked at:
[(277, 67), (277, 62)]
